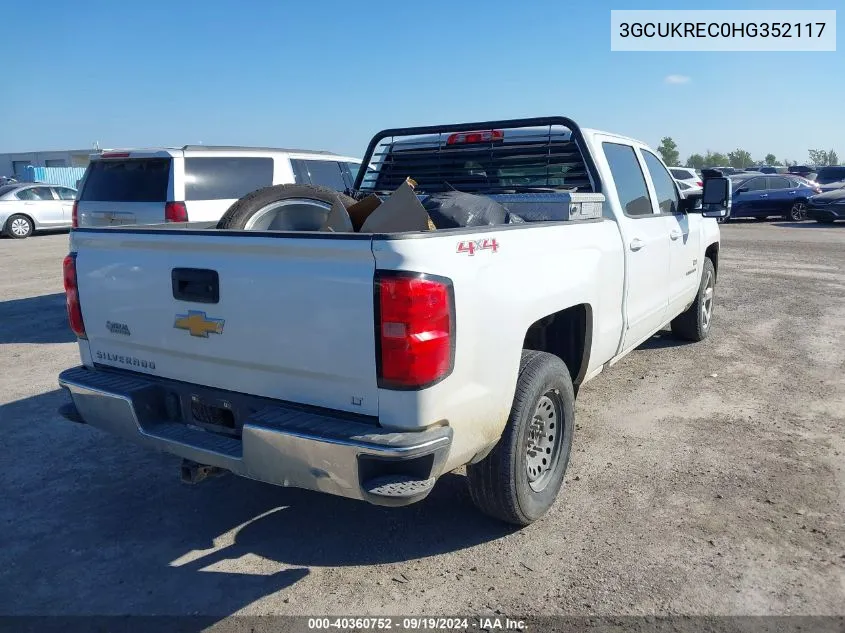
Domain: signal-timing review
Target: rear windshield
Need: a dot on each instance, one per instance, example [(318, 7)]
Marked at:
[(830, 174), (130, 180), (521, 159)]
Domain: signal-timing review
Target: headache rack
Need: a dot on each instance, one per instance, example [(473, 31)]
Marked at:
[(489, 156)]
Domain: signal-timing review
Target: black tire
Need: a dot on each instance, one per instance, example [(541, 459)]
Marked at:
[(301, 218), (18, 220), (499, 484), (691, 324)]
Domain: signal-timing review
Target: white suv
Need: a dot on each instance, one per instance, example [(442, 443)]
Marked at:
[(686, 175), (195, 182)]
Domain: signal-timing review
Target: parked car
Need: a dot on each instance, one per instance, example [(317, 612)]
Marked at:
[(687, 189), (687, 175), (339, 369), (761, 196), (827, 207), (724, 171), (803, 170), (195, 182), (766, 169), (830, 178), (29, 207)]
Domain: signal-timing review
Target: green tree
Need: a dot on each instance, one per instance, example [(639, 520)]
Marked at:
[(696, 161), (739, 158), (771, 159), (668, 151), (819, 157), (715, 159), (832, 158)]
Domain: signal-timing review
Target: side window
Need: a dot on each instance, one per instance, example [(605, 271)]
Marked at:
[(629, 179), (353, 172), (226, 178), (300, 172), (26, 194), (664, 186), (779, 182), (755, 184), (36, 193), (327, 173), (680, 174), (65, 193)]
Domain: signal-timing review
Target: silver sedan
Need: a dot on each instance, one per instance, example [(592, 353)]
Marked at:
[(28, 207)]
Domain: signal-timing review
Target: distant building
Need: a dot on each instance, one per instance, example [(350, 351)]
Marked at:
[(15, 164)]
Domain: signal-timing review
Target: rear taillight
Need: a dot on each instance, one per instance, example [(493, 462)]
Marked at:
[(700, 184), (74, 218), (175, 212), (74, 310), (415, 320)]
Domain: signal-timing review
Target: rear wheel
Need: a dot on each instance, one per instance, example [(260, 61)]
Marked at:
[(19, 227), (694, 324), (798, 212), (283, 208), (520, 479)]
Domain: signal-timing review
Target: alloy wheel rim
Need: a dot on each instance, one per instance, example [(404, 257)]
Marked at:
[(261, 216), (545, 432), (707, 304), (799, 211)]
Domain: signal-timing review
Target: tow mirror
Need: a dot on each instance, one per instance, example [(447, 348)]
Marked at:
[(716, 198)]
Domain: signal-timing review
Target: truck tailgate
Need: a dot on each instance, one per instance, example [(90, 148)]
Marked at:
[(293, 319)]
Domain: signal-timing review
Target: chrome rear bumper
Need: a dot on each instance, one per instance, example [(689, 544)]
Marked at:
[(274, 442)]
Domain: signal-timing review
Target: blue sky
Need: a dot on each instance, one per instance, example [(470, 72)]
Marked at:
[(327, 75)]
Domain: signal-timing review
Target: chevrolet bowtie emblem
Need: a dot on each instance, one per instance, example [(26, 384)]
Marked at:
[(198, 324)]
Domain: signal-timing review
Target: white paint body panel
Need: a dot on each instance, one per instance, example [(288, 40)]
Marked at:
[(300, 317)]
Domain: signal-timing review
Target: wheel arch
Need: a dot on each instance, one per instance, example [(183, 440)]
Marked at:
[(26, 215), (567, 334), (712, 253)]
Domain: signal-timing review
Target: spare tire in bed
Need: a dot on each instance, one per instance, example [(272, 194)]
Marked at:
[(283, 208)]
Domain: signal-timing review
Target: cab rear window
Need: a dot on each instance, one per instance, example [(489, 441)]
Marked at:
[(130, 180)]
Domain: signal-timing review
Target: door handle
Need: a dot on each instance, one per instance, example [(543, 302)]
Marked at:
[(637, 244), (28, 204), (764, 195), (675, 234)]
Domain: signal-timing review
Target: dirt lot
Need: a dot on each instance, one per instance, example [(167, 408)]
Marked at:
[(705, 479)]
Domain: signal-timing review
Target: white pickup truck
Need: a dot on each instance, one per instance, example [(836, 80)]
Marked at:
[(367, 365)]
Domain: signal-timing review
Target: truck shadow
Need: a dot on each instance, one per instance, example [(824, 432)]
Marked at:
[(35, 320), (661, 340), (96, 525)]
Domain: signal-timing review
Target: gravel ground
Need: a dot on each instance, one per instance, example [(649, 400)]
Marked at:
[(705, 479)]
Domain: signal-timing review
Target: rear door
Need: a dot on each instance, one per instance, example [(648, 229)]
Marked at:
[(683, 231), (215, 181), (283, 317), (126, 188), (67, 196), (646, 242), (782, 195)]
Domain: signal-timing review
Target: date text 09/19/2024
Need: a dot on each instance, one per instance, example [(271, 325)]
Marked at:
[(417, 623)]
